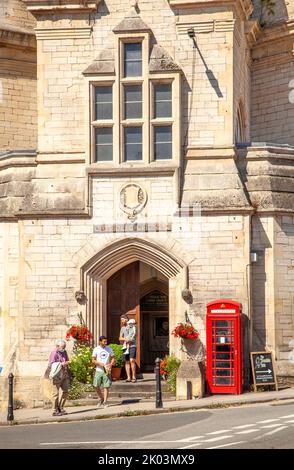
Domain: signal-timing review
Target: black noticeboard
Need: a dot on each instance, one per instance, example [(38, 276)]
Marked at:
[(263, 369)]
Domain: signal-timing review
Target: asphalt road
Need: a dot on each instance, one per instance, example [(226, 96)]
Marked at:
[(249, 427)]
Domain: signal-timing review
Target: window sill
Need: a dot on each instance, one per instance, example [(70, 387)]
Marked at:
[(137, 169)]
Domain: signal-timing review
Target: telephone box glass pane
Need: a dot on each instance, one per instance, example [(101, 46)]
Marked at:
[(223, 364), (222, 381), (222, 322)]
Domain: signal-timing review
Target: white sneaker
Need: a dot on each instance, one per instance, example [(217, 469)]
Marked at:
[(105, 404)]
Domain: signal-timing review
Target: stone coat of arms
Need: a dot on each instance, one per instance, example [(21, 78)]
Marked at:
[(133, 199)]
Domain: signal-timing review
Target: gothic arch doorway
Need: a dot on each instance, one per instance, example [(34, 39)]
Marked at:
[(101, 271), (130, 292)]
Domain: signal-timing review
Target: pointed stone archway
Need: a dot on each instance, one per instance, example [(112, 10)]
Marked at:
[(97, 270)]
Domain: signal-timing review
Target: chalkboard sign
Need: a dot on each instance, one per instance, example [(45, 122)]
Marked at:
[(263, 369)]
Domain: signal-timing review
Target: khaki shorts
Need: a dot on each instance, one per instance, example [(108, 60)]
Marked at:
[(102, 380)]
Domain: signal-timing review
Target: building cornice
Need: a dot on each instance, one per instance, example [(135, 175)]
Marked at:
[(73, 6), (206, 26), (276, 32), (209, 152), (64, 33), (17, 158), (245, 6), (119, 171), (17, 38), (252, 31), (274, 45)]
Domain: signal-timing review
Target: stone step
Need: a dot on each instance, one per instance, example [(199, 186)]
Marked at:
[(121, 386), (115, 400), (132, 394)]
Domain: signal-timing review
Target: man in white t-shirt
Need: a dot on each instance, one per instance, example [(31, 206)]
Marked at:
[(103, 358)]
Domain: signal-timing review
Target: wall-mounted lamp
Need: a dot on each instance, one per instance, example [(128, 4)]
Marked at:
[(80, 297), (187, 296), (192, 35), (253, 257)]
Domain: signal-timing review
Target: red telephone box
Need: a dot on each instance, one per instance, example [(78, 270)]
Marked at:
[(223, 347)]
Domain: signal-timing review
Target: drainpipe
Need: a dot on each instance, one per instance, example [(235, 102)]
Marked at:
[(249, 302), (249, 284)]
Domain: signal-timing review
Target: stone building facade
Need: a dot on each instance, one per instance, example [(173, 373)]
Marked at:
[(146, 148)]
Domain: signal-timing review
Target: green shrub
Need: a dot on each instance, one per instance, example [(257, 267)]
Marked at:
[(81, 366), (118, 354), (76, 390)]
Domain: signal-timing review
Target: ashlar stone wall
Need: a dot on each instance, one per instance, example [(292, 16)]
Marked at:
[(42, 274), (18, 111)]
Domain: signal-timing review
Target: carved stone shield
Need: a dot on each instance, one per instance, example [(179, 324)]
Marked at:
[(133, 199)]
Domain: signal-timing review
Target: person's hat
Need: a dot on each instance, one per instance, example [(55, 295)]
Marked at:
[(131, 321), (55, 369)]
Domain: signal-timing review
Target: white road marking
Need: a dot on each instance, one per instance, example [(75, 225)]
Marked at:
[(270, 433), (289, 416), (108, 442), (275, 430), (226, 445), (291, 421), (267, 421), (247, 431), (189, 439), (190, 446), (219, 432), (244, 426), (271, 426), (218, 438)]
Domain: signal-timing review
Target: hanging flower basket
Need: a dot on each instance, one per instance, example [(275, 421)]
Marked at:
[(80, 333), (185, 331)]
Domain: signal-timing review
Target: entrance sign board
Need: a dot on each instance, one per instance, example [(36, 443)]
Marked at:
[(263, 369)]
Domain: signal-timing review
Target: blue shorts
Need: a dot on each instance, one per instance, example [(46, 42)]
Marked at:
[(131, 355)]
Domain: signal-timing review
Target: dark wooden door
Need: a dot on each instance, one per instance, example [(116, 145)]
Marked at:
[(123, 297), (155, 328)]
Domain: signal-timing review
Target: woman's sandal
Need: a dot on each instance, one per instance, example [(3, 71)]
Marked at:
[(134, 381), (127, 380)]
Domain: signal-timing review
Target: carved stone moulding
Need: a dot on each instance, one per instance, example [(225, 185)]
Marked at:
[(41, 6), (63, 33), (244, 6)]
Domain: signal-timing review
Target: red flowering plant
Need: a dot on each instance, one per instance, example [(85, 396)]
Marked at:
[(169, 366), (163, 370), (185, 331), (80, 333)]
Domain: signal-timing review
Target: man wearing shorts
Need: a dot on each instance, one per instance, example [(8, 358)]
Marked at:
[(128, 335), (103, 358)]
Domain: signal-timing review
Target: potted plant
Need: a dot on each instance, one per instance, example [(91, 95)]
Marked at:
[(118, 354)]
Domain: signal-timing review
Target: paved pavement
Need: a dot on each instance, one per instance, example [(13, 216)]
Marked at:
[(83, 413), (255, 426)]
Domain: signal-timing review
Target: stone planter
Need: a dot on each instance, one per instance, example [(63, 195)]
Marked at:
[(190, 380)]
